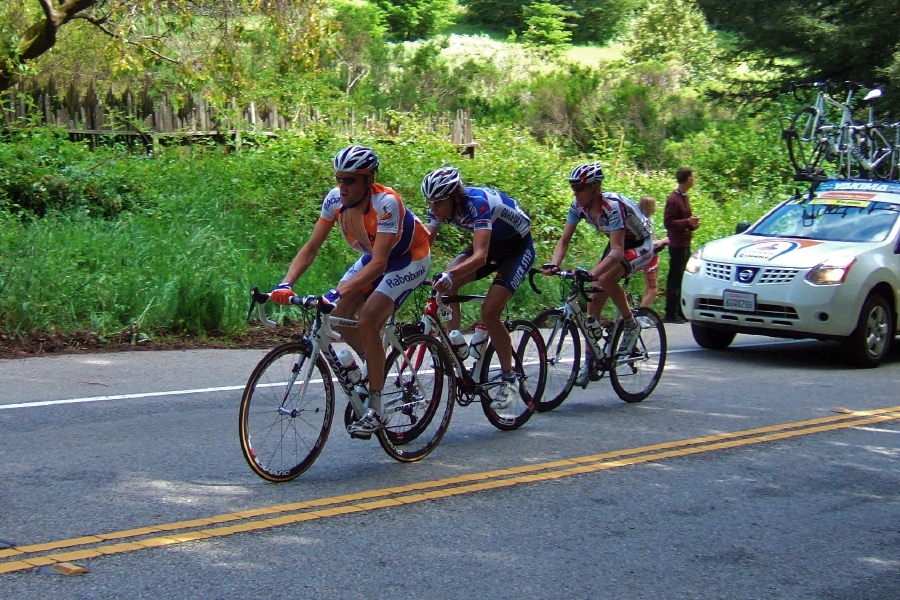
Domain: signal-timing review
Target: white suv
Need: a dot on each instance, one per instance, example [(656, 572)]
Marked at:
[(823, 265)]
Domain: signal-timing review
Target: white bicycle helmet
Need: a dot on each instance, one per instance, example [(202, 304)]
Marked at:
[(441, 183), (589, 173), (356, 159)]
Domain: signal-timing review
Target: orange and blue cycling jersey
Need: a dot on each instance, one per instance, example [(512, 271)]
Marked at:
[(384, 214)]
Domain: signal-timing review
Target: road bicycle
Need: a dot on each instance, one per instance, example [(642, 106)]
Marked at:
[(868, 147), (288, 404), (633, 374), (812, 138), (482, 380)]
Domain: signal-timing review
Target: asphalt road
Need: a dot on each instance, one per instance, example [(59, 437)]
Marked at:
[(766, 471)]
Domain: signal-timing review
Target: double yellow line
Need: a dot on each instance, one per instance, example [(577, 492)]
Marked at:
[(82, 548)]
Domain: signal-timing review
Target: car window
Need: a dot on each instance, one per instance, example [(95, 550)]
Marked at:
[(831, 220)]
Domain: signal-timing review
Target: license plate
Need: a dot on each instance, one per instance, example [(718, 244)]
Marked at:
[(740, 301)]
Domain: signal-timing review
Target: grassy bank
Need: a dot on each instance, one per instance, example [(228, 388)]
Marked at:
[(107, 241)]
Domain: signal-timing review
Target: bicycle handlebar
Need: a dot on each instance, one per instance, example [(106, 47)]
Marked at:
[(578, 275), (824, 86), (259, 299)]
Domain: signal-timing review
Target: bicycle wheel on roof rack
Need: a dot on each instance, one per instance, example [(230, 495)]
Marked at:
[(879, 155), (807, 149)]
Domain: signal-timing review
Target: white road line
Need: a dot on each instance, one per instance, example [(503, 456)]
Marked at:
[(232, 388)]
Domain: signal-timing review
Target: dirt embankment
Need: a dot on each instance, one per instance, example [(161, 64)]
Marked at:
[(44, 344)]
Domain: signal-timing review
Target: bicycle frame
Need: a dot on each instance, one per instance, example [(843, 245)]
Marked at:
[(603, 355), (320, 342), (432, 322)]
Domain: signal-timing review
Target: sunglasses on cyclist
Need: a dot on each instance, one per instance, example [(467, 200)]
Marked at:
[(346, 180), (434, 201), (580, 187)]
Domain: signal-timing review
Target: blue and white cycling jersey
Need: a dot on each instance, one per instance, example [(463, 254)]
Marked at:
[(486, 208), (617, 212)]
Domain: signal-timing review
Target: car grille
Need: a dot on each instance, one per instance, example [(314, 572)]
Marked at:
[(719, 271), (771, 311), (725, 272), (773, 275)]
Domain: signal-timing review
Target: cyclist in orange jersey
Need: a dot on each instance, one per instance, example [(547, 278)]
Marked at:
[(396, 256)]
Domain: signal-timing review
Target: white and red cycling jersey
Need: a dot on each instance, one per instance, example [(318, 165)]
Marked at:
[(617, 212)]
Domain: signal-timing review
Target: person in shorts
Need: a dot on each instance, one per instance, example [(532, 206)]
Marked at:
[(630, 246), (501, 245), (396, 256), (647, 206)]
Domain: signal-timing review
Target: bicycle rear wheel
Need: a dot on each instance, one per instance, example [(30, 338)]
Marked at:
[(419, 394), (635, 376), (281, 433), (530, 364), (563, 358)]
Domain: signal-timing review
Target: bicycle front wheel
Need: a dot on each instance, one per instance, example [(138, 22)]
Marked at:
[(419, 394), (563, 357), (530, 364), (283, 430), (634, 376), (807, 148)]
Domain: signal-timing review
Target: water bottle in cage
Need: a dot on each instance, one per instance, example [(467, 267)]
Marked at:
[(478, 341), (458, 341), (594, 328), (351, 369)]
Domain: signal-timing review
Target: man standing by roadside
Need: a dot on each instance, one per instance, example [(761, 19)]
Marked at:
[(680, 225)]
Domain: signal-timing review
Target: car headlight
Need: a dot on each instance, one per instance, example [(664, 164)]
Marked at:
[(695, 261), (831, 272)]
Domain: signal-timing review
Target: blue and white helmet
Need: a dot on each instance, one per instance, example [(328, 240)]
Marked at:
[(440, 183), (589, 173), (356, 159)]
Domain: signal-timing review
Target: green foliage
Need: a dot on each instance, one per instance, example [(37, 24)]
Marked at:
[(547, 32), (806, 40), (589, 21), (39, 173), (255, 49), (416, 19), (674, 31), (746, 155), (599, 21), (358, 44), (499, 15)]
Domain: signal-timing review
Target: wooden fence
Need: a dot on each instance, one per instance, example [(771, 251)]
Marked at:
[(139, 119)]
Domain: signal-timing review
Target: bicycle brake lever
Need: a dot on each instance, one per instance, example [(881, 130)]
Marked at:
[(531, 273), (259, 299)]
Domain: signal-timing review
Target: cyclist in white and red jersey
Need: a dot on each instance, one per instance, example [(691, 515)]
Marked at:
[(630, 245), (396, 255), (501, 244)]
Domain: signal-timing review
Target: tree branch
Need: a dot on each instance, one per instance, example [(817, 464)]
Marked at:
[(100, 23)]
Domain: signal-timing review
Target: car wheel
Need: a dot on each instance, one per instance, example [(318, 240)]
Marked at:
[(714, 339), (867, 346)]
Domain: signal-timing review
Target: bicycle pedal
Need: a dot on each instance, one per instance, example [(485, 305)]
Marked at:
[(356, 435)]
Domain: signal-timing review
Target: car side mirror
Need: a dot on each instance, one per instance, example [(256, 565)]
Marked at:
[(742, 227)]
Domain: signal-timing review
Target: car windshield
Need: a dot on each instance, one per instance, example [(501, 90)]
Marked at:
[(830, 219)]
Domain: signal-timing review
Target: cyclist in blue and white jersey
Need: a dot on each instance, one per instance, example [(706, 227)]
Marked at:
[(501, 244), (630, 245)]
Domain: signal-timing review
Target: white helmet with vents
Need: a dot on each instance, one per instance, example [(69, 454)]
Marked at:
[(440, 183), (356, 159), (589, 173)]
